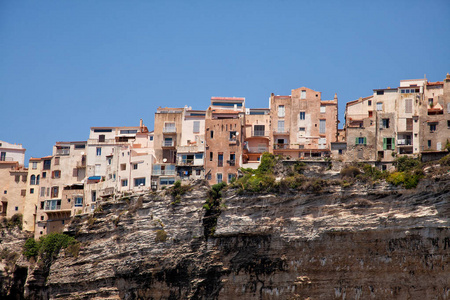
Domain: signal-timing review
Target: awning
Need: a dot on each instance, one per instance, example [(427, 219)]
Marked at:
[(95, 178)]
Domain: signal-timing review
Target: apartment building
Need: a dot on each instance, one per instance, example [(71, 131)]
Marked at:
[(167, 135), (61, 187), (435, 116), (32, 197), (13, 179), (303, 125), (224, 130), (257, 135), (191, 147)]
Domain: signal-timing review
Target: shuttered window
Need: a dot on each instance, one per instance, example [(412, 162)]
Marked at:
[(281, 111), (196, 126), (322, 126), (408, 105)]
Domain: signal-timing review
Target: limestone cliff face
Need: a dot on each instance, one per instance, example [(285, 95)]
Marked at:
[(357, 242)]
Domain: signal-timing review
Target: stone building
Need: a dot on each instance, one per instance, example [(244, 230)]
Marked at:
[(224, 129), (303, 125), (61, 187), (32, 197), (13, 179), (257, 135)]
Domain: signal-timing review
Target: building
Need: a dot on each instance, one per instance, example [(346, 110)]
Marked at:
[(13, 179), (224, 130), (303, 125), (257, 136), (32, 197), (61, 187)]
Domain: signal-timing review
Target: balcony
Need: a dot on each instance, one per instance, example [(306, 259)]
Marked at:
[(281, 130), (168, 144), (404, 142), (186, 162), (231, 162), (232, 140), (257, 149), (169, 130), (164, 172), (61, 152), (280, 146), (260, 133)]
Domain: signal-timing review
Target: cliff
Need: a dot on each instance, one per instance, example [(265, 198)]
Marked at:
[(357, 242)]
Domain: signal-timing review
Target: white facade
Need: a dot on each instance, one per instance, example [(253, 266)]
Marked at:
[(12, 152)]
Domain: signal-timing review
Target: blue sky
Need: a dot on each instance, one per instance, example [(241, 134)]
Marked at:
[(66, 66)]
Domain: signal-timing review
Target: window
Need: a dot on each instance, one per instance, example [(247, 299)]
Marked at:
[(370, 114), (388, 143), (16, 208), (31, 191), (139, 181), (52, 205), (32, 180), (101, 138), (280, 126), (44, 174), (430, 102), (211, 155), (55, 191), (219, 177), (409, 124), (123, 167), (322, 127), (168, 142), (448, 123), (109, 161), (220, 160), (135, 166), (258, 130), (429, 144), (232, 161), (23, 193), (432, 127), (361, 141), (129, 131), (408, 106), (281, 111), (169, 127), (322, 109), (379, 106), (198, 155), (380, 92), (232, 136), (198, 172), (302, 115), (166, 181), (212, 134), (38, 179), (99, 151), (47, 164), (384, 123), (448, 108), (102, 130), (3, 156), (303, 94), (196, 127), (93, 196), (231, 177), (34, 165), (80, 146), (56, 161), (42, 192), (124, 182), (151, 138), (56, 174), (369, 102), (301, 128)]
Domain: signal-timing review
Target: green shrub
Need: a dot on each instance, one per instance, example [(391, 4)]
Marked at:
[(14, 221), (408, 179), (445, 161), (48, 247), (161, 236), (405, 163), (267, 164), (350, 171)]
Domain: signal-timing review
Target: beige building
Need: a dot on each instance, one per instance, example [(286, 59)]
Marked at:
[(13, 179), (224, 135), (191, 147), (32, 197), (167, 136), (60, 187), (257, 135), (303, 125)]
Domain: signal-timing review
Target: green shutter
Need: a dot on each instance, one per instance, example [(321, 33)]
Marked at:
[(393, 143), (384, 143), (357, 141), (365, 141)]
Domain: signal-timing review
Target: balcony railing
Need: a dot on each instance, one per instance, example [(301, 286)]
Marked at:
[(62, 151), (281, 146), (281, 130), (231, 162), (169, 130), (164, 172), (168, 144), (220, 163), (257, 149), (260, 133), (404, 142)]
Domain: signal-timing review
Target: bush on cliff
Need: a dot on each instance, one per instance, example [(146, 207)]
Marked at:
[(14, 221), (48, 247)]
